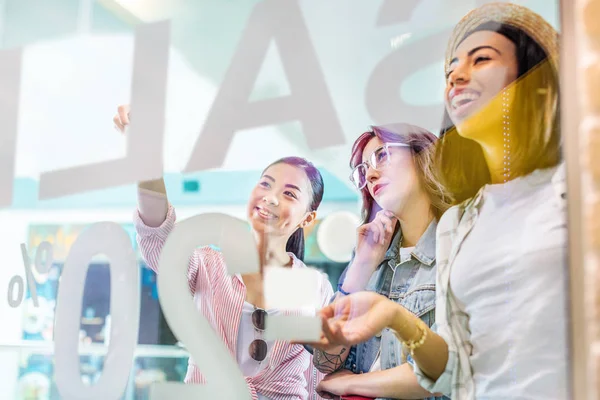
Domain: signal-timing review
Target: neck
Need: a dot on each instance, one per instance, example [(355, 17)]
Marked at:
[(271, 250), (487, 128), (415, 218)]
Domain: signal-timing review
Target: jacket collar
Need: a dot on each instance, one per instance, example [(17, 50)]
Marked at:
[(424, 251)]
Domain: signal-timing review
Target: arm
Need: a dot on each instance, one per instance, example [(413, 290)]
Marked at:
[(432, 355), (396, 383), (154, 220), (334, 358)]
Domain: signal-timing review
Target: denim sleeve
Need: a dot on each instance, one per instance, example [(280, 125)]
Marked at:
[(350, 363)]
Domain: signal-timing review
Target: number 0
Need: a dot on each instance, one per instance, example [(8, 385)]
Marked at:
[(110, 239)]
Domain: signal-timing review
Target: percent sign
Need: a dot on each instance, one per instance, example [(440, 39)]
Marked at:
[(42, 266)]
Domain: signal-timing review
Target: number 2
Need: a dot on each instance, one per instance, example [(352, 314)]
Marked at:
[(224, 379)]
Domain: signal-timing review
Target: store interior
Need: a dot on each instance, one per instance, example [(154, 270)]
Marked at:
[(77, 68)]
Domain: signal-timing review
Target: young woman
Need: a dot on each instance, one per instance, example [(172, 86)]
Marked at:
[(501, 281), (283, 202), (394, 256)]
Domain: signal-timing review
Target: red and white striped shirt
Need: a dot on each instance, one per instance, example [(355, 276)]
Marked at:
[(219, 296)]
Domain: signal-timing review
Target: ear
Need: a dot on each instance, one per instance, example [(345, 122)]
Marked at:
[(308, 219)]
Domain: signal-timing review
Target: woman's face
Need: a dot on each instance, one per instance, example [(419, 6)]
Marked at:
[(393, 185), (279, 203), (483, 64)]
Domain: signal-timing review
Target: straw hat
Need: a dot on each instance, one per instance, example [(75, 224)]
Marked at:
[(510, 14)]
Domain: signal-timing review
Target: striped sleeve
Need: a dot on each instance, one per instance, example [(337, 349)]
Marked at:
[(152, 239), (288, 381)]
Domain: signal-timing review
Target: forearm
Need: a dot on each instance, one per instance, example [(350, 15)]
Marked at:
[(432, 355), (358, 275), (331, 361), (396, 383)]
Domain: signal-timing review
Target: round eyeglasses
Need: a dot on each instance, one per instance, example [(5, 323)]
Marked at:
[(380, 158)]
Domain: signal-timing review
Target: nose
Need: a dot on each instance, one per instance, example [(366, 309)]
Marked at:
[(460, 74), (271, 200), (372, 174)]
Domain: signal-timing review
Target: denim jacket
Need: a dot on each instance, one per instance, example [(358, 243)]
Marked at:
[(410, 283)]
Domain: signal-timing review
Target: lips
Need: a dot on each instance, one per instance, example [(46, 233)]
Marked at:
[(462, 99), (378, 188), (264, 213)]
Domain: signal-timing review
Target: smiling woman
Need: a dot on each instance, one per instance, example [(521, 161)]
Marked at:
[(283, 202)]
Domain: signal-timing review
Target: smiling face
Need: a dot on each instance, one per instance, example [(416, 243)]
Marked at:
[(392, 186), (279, 203), (482, 66)]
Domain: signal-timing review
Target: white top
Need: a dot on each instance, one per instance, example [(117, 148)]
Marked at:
[(405, 253), (514, 291), (246, 335)]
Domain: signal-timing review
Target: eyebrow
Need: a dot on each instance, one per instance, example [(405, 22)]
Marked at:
[(475, 50), (287, 185)]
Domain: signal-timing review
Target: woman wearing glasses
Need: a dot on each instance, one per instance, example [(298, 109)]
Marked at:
[(283, 202), (501, 284), (394, 256)]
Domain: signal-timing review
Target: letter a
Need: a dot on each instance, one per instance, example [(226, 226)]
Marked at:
[(309, 101)]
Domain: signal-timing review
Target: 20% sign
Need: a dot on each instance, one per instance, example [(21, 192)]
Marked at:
[(224, 379)]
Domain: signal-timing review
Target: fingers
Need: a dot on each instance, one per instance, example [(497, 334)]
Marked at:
[(123, 111), (118, 125), (121, 119), (381, 228)]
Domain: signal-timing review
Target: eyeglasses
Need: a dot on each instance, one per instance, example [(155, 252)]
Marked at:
[(380, 158), (258, 348)]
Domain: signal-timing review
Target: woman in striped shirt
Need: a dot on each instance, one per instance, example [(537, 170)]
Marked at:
[(283, 202)]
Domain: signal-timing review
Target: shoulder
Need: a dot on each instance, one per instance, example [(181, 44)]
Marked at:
[(450, 219)]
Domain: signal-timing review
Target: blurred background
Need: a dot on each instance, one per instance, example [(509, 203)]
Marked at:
[(381, 62)]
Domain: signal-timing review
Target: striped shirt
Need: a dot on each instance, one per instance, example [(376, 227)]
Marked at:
[(219, 296)]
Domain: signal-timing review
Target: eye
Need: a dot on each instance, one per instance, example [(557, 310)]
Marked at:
[(448, 74), (265, 184), (482, 59), (290, 194)]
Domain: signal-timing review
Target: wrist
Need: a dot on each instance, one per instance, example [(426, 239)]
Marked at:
[(401, 322)]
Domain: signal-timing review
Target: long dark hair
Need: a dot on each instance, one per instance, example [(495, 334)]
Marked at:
[(460, 162), (295, 243), (422, 146)]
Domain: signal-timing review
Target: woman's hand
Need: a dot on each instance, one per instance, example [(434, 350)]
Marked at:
[(335, 385), (373, 238), (356, 318), (372, 242), (121, 119)]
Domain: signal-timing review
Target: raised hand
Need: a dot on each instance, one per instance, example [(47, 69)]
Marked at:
[(121, 119), (373, 241)]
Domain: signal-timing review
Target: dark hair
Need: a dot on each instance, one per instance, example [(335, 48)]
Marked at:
[(295, 243), (421, 143), (460, 162)]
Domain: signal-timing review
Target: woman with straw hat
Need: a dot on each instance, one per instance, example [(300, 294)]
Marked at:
[(501, 251)]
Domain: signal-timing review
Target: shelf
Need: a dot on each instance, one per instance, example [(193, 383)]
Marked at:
[(142, 350)]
